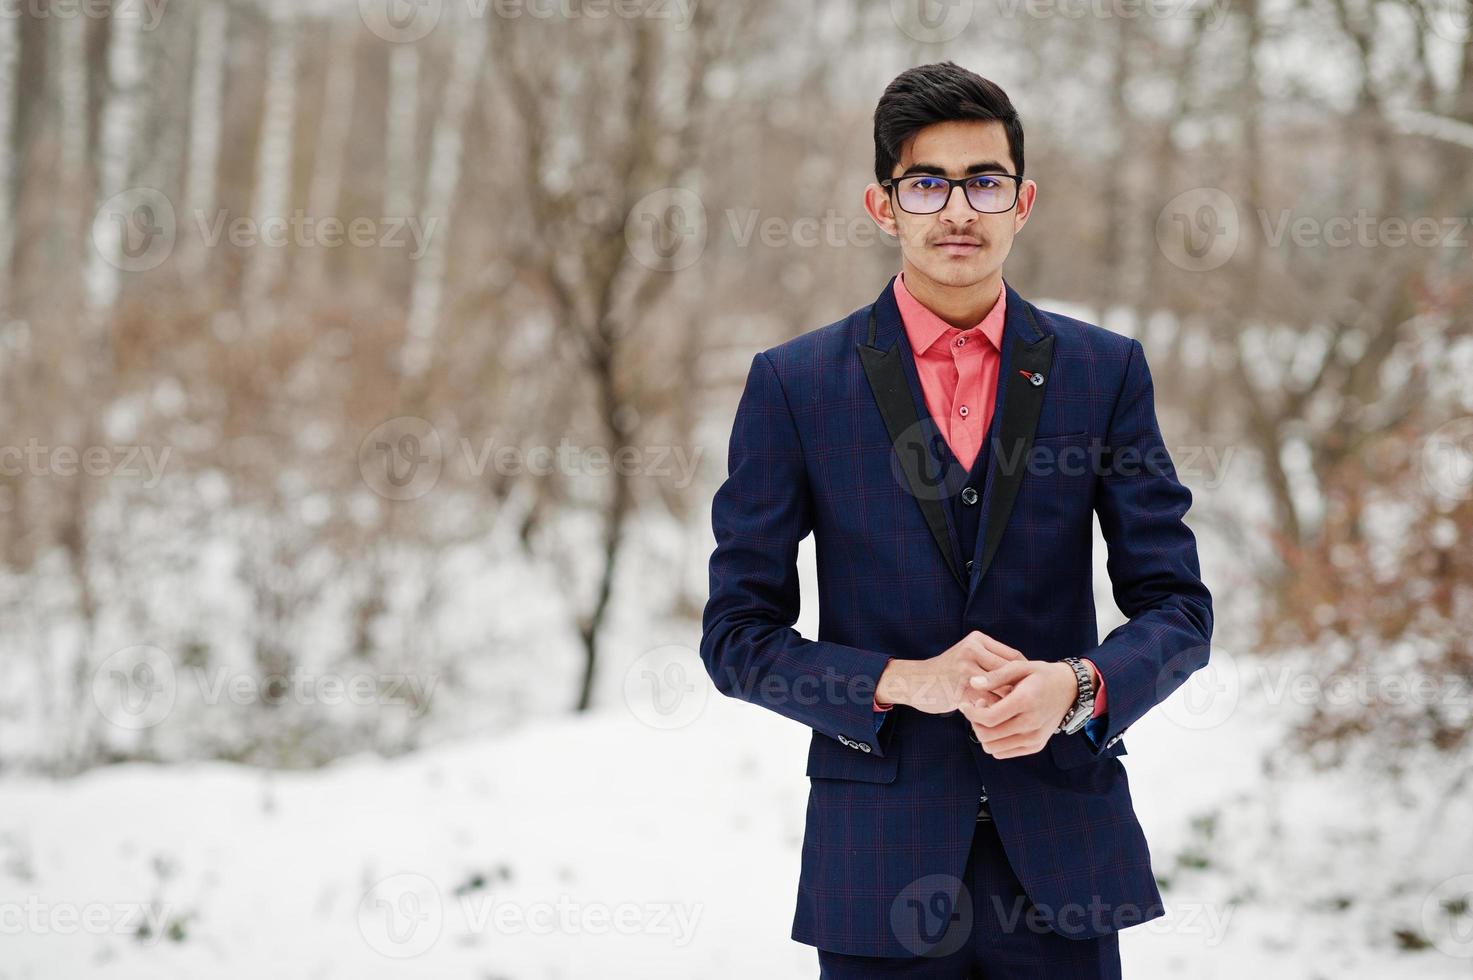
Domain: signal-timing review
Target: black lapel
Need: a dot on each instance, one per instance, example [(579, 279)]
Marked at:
[(1024, 380), (910, 451)]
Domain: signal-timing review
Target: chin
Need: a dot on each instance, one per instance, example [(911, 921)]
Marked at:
[(952, 273)]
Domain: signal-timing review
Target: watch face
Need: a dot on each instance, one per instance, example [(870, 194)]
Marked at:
[(1076, 721)]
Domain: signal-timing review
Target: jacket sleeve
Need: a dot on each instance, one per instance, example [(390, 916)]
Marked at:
[(1152, 563), (748, 644)]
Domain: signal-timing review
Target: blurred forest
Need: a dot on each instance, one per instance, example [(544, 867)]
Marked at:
[(293, 296)]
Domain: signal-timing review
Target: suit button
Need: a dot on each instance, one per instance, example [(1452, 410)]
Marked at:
[(969, 496), (969, 564)]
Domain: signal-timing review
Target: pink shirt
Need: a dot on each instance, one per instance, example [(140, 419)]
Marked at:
[(958, 371)]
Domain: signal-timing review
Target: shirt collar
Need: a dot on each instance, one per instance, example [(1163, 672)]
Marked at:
[(924, 327)]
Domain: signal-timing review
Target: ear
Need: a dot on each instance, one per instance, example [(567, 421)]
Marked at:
[(877, 204), (1027, 194)]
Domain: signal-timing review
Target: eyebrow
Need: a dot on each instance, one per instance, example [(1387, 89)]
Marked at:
[(986, 166)]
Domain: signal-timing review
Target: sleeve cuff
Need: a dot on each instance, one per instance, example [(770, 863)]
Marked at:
[(1099, 708)]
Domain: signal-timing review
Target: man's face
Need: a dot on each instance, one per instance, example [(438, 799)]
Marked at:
[(956, 246)]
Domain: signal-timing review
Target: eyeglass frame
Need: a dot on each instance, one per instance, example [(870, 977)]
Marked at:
[(892, 184)]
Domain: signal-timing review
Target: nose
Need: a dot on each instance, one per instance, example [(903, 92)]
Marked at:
[(958, 209)]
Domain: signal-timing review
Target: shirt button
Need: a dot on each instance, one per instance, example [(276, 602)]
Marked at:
[(964, 410), (961, 341)]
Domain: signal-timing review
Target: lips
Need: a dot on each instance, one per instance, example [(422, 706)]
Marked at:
[(958, 246)]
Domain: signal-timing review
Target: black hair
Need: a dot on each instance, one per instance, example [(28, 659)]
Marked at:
[(942, 92)]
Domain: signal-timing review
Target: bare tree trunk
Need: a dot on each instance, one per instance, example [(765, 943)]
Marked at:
[(325, 196), (120, 119), (9, 60), (440, 187), (401, 131), (205, 109), (273, 161), (73, 189)]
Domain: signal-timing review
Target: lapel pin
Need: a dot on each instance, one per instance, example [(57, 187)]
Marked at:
[(1034, 378)]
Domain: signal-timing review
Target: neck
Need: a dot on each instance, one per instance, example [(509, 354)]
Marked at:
[(961, 306)]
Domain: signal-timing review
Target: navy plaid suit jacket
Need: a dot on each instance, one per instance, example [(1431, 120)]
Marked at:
[(832, 437)]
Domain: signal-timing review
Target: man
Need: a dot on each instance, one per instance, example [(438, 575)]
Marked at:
[(948, 445)]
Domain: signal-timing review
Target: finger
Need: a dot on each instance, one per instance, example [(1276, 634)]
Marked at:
[(1010, 748), (1005, 675), (984, 658), (1000, 648), (969, 708), (1016, 702), (1019, 725), (979, 699), (987, 647)]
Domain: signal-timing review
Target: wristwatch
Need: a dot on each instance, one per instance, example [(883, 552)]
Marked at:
[(1084, 704)]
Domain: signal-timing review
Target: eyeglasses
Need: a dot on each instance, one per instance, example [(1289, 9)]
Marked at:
[(928, 193)]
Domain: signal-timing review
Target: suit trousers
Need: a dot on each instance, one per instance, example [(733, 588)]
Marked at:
[(990, 933)]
